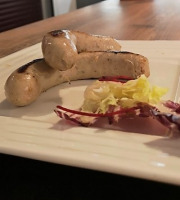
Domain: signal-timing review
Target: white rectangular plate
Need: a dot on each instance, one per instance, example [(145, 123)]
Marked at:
[(36, 132)]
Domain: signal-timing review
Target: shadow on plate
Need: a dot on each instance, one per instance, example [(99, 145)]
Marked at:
[(146, 126), (46, 102), (44, 105), (169, 146)]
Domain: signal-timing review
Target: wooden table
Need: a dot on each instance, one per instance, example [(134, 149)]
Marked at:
[(124, 20)]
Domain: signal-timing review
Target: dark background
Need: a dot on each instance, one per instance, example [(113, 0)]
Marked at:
[(26, 179), (16, 13)]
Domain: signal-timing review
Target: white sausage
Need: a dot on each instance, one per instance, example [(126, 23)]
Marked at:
[(26, 83), (61, 48), (71, 55)]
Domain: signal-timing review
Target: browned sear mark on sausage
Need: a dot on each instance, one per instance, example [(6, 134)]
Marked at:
[(23, 68), (56, 33)]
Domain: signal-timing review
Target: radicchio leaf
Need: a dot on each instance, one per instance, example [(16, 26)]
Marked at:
[(170, 119)]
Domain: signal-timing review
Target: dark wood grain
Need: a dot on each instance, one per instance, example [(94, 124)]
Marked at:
[(124, 20)]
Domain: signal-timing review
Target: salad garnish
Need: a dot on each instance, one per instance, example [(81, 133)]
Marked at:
[(116, 98)]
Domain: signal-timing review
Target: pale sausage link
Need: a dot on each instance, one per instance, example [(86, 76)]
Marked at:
[(71, 55), (26, 83), (61, 48)]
